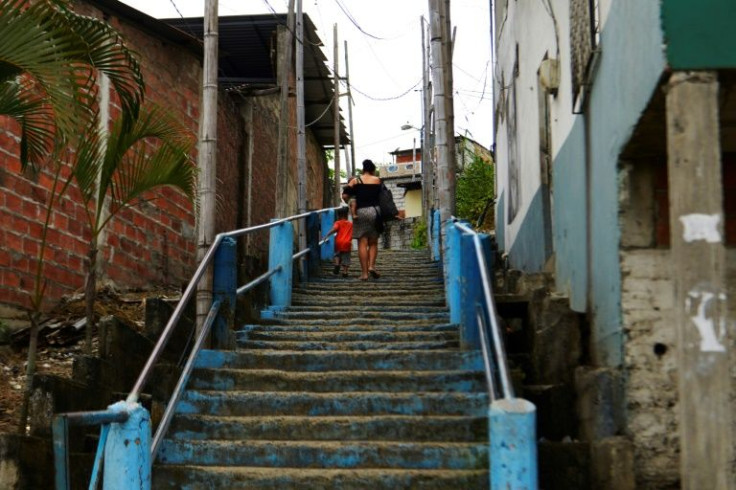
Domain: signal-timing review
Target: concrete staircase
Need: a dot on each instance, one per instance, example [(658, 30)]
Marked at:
[(359, 385)]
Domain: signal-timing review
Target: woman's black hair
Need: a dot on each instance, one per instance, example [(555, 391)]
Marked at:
[(369, 166)]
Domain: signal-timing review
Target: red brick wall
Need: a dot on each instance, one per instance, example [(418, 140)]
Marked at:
[(146, 246), (154, 244)]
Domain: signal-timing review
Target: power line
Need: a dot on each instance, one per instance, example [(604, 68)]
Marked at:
[(355, 22), (384, 99)]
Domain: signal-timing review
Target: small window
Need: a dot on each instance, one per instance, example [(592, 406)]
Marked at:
[(392, 168)]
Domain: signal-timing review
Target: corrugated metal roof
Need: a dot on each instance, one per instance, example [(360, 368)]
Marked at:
[(248, 60)]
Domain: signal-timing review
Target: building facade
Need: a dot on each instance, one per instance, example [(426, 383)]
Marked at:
[(155, 244), (615, 141)]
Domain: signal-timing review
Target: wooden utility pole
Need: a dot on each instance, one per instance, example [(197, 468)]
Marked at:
[(301, 142), (425, 141), (350, 114), (439, 12), (698, 264), (282, 159), (336, 119), (698, 258), (207, 157)]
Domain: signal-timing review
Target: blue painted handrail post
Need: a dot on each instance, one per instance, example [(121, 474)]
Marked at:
[(313, 258), (128, 450), (513, 435), (453, 271), (225, 284), (280, 252), (471, 293), (436, 235), (327, 222)]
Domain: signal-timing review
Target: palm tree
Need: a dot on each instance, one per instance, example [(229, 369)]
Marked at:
[(139, 155), (49, 59)]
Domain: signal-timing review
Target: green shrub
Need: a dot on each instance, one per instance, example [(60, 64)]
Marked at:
[(419, 235), (474, 192)]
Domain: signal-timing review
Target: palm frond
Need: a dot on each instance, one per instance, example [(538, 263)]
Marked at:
[(60, 50), (35, 117), (150, 151)]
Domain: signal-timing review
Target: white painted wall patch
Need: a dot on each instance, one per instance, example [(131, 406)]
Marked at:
[(700, 226), (703, 319)]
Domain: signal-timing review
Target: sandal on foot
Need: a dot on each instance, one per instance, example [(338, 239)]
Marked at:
[(336, 270), (374, 274)]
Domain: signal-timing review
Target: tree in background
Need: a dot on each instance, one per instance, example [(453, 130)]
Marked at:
[(475, 195)]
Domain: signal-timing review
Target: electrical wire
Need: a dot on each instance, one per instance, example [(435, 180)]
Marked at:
[(355, 22), (384, 99)]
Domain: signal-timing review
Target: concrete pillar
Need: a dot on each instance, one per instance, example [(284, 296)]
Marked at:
[(327, 221), (513, 454), (436, 235), (128, 450), (698, 262), (453, 272), (471, 292), (313, 237), (225, 285), (280, 252)]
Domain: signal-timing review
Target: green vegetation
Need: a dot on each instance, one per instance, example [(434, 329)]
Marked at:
[(419, 235), (50, 61), (474, 193)]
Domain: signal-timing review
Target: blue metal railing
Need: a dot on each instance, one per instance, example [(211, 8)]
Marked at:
[(134, 461), (512, 421)]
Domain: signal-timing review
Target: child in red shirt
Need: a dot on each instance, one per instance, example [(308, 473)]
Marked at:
[(343, 241)]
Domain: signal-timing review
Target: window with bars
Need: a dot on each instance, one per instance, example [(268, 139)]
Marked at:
[(585, 31)]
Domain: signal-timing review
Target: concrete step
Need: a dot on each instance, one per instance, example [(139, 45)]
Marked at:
[(352, 335), (310, 361), (336, 381), (341, 322), (440, 315), (227, 478), (341, 327), (330, 454), (239, 403), (331, 428), (419, 304), (331, 300), (356, 345), (368, 289)]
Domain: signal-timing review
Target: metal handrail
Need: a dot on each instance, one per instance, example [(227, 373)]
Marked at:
[(184, 378), (186, 296), (106, 417), (507, 390)]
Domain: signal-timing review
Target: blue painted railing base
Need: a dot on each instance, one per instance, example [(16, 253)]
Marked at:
[(128, 450), (271, 312), (513, 454)]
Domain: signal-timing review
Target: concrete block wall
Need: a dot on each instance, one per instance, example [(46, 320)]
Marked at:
[(650, 365), (398, 234)]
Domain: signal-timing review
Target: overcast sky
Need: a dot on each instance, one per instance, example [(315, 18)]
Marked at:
[(384, 46)]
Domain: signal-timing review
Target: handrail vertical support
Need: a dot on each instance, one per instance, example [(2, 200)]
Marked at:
[(453, 271), (128, 450), (328, 248), (471, 293), (313, 258), (436, 235), (60, 430), (281, 246), (513, 454), (225, 283)]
